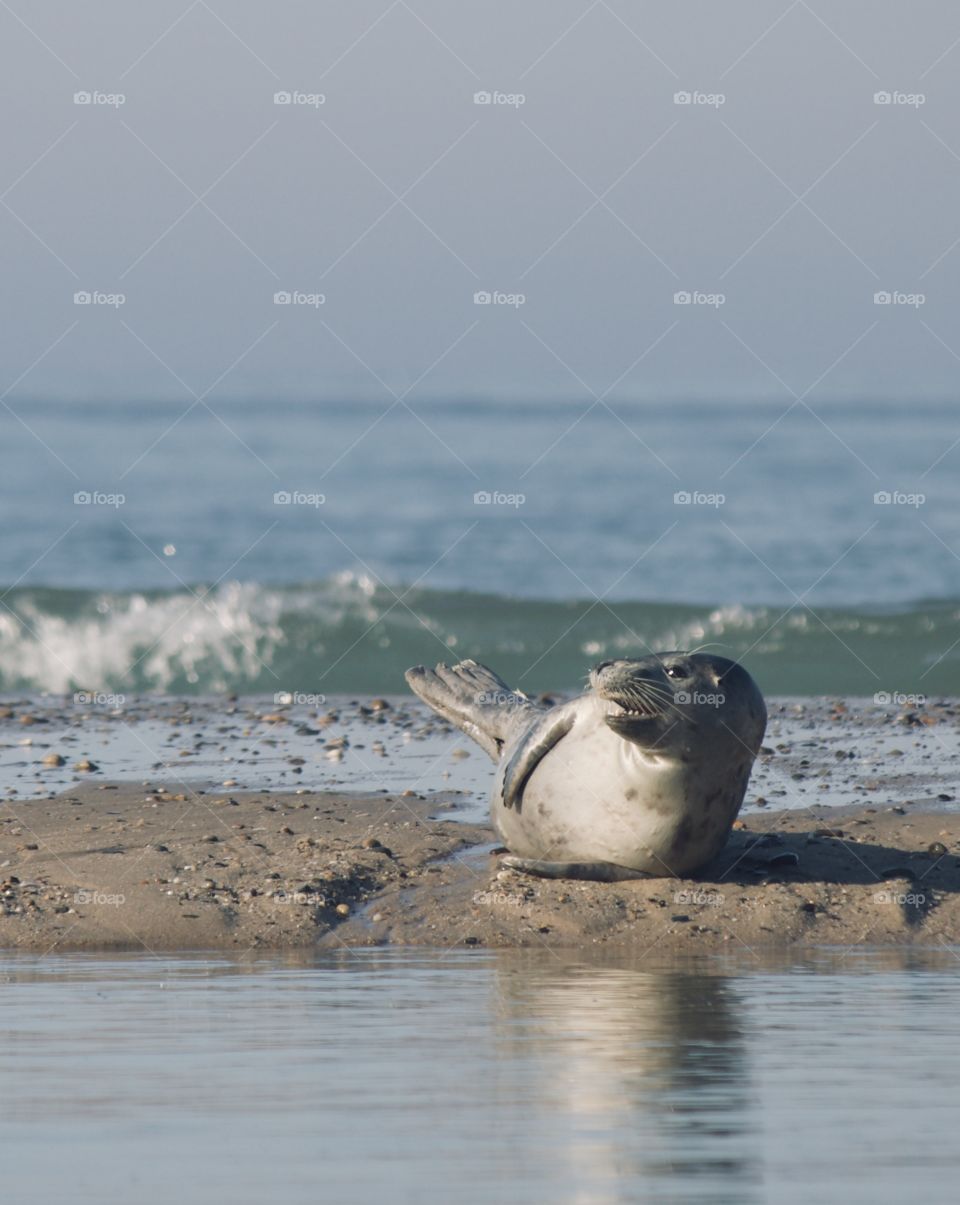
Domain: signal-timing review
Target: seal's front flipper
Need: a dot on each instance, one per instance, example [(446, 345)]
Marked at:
[(601, 872), (543, 736), (474, 698)]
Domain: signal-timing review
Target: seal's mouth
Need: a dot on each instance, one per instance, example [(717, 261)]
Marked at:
[(628, 708)]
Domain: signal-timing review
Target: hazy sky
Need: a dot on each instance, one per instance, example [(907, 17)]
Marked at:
[(783, 186)]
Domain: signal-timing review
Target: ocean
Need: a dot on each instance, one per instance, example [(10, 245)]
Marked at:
[(272, 547)]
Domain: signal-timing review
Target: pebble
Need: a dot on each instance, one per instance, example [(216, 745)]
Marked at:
[(86, 766), (343, 909), (54, 759)]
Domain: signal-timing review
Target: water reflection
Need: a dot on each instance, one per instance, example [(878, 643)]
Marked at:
[(637, 1077)]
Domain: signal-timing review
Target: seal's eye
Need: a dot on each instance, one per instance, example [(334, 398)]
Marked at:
[(676, 671)]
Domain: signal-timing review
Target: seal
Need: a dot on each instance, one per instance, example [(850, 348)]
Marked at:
[(640, 777)]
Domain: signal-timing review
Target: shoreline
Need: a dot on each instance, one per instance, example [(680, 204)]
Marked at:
[(115, 867), (225, 824)]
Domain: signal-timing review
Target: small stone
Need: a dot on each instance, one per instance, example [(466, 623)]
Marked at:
[(287, 830), (86, 766), (54, 759), (936, 850), (372, 843), (379, 705), (343, 909)]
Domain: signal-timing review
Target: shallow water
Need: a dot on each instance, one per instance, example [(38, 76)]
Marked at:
[(516, 1076)]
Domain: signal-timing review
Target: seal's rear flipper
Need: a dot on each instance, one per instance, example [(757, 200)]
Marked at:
[(602, 872), (474, 698)]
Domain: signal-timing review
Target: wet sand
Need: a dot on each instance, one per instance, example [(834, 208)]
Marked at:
[(115, 866)]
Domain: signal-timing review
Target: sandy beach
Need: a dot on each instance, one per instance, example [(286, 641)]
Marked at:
[(164, 864)]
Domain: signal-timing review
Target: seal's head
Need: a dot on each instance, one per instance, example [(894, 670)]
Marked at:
[(665, 700)]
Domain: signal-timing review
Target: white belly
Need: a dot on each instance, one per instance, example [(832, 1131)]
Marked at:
[(596, 797)]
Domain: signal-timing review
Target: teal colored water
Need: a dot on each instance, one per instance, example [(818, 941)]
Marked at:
[(183, 572)]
